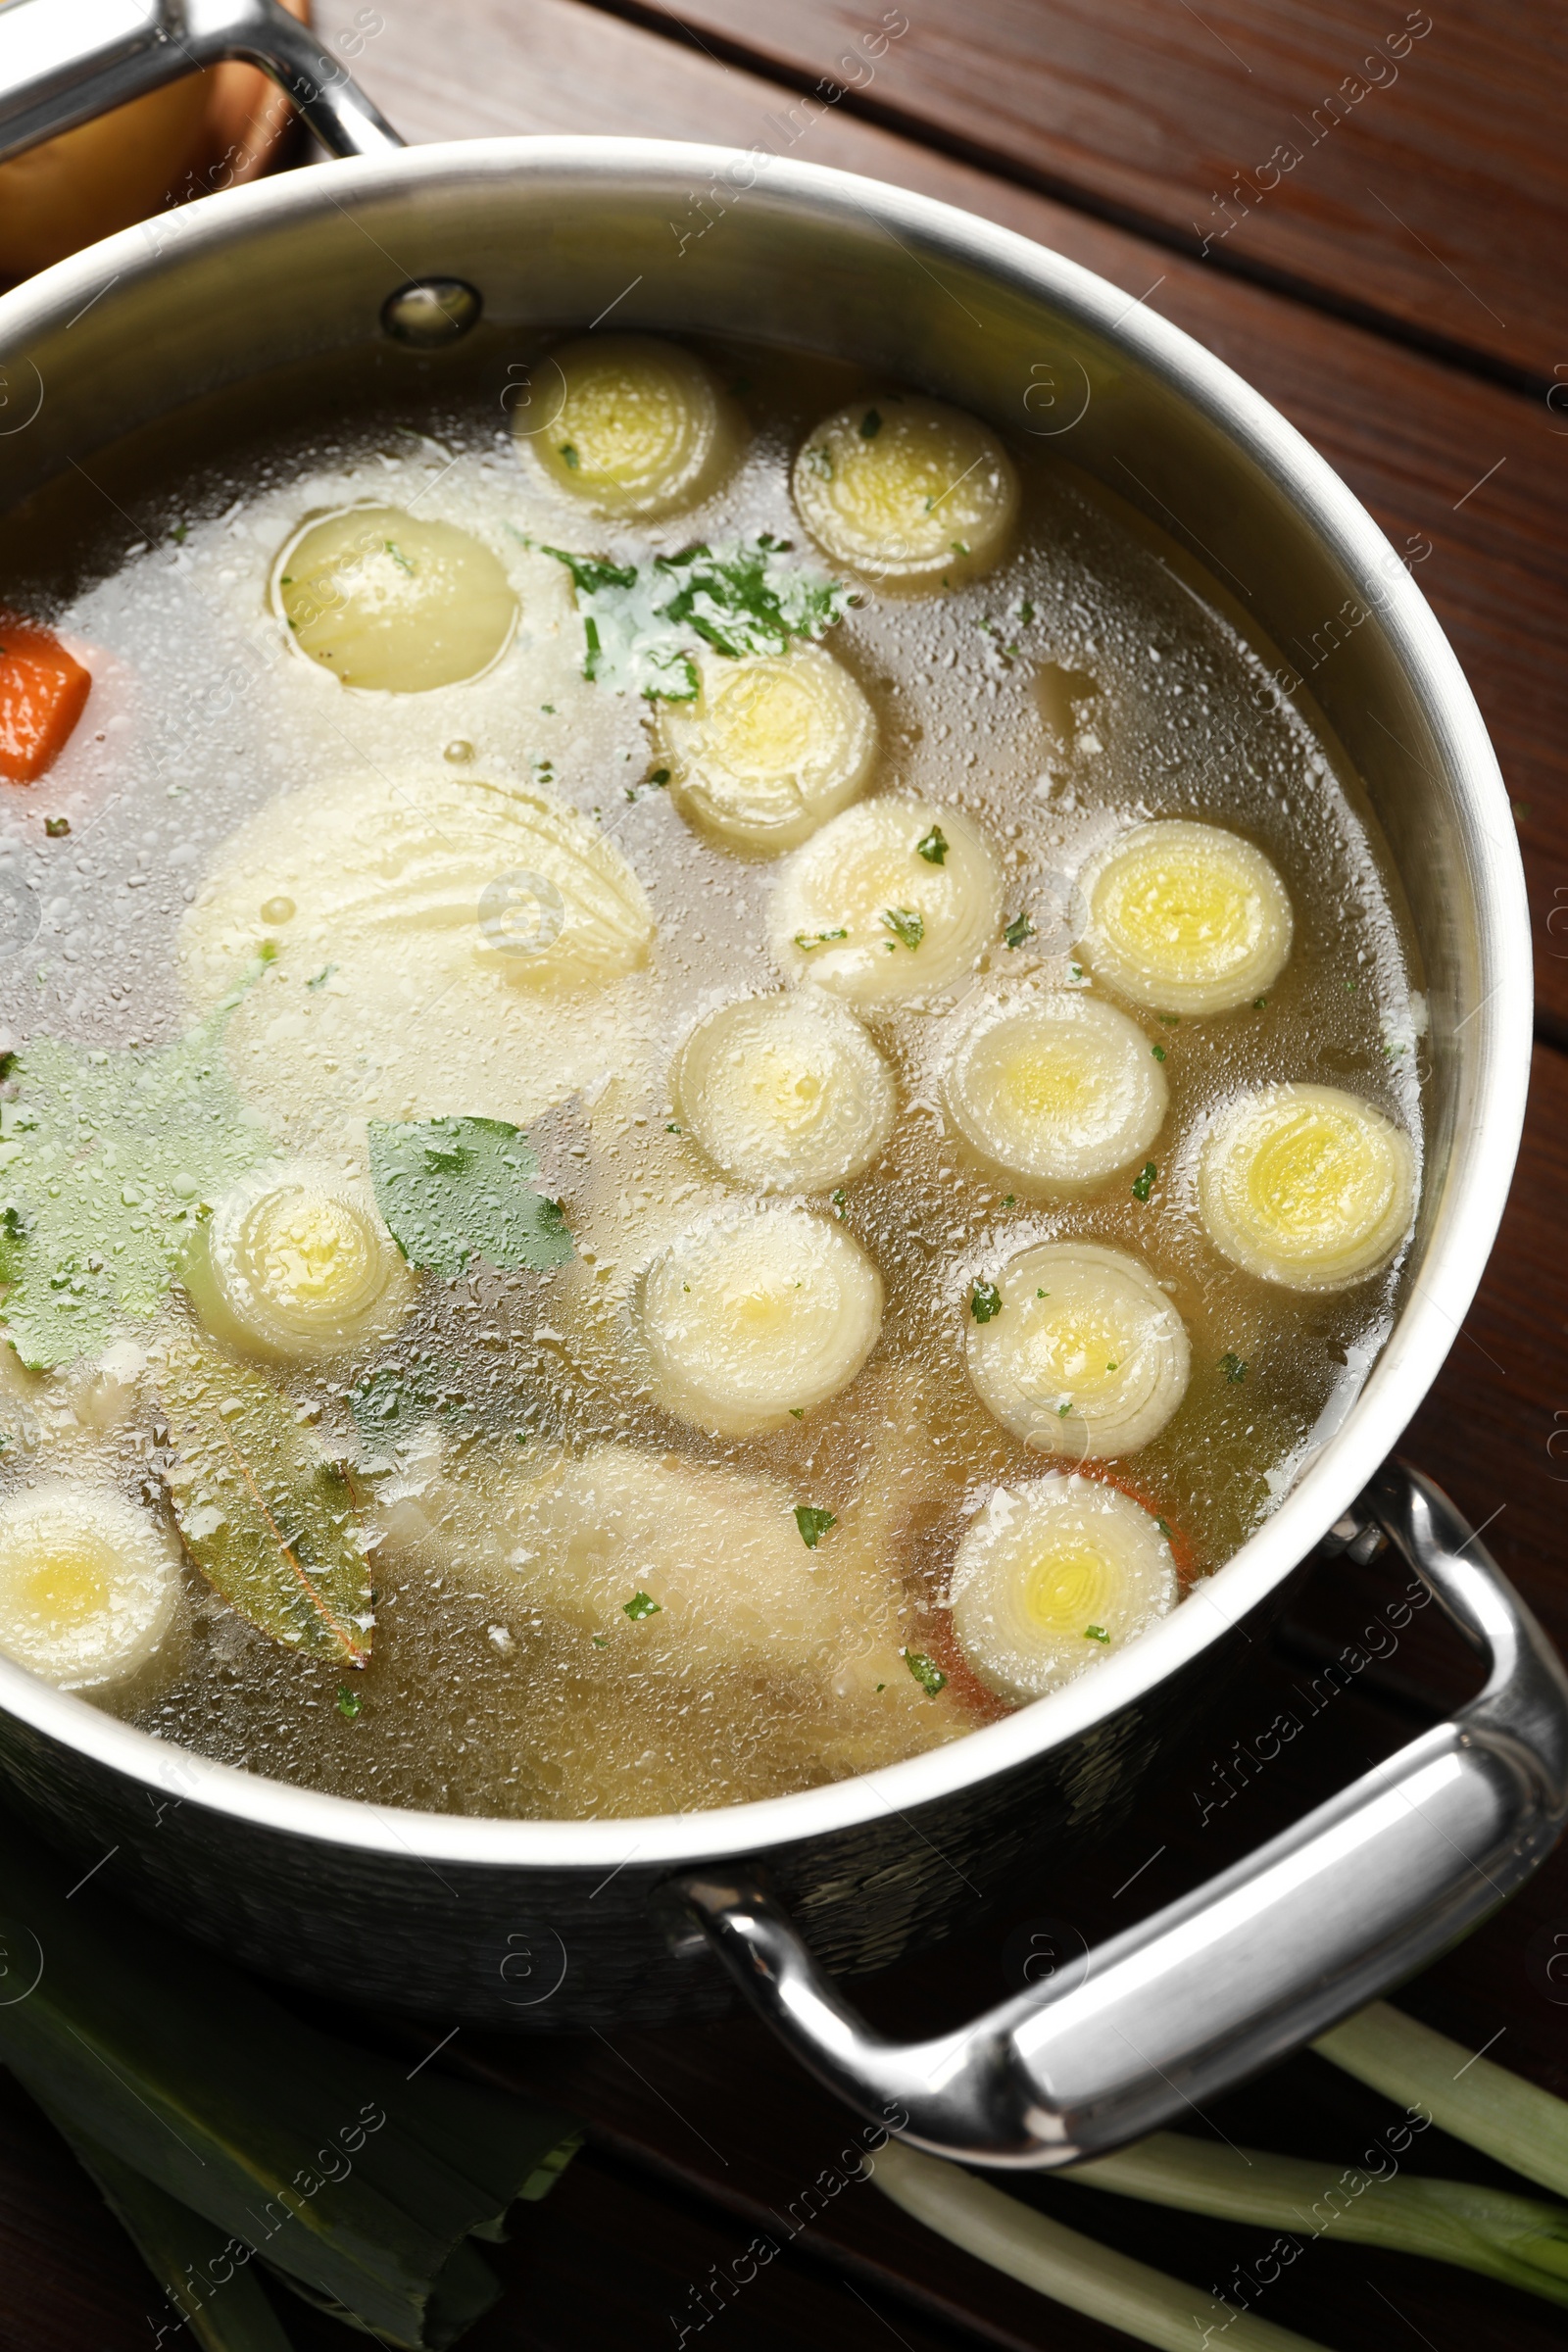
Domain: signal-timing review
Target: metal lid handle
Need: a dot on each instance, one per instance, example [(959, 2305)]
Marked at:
[(61, 61), (1325, 1917)]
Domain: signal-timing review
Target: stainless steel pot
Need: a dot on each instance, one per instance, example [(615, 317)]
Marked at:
[(559, 1924)]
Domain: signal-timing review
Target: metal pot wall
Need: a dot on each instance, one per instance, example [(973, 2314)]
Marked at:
[(562, 1925)]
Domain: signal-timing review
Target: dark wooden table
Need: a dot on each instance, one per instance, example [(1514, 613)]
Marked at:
[(1398, 289)]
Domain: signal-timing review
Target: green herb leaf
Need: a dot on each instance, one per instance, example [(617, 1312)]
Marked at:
[(1158, 1051), (1164, 1531), (57, 827), (570, 456), (870, 425), (453, 1190), (797, 1412), (813, 1524), (1231, 1367), (985, 1301), (1144, 1181), (641, 1605), (934, 848), (805, 941), (642, 625), (271, 1523), (906, 924), (591, 573), (926, 1672), (107, 1160), (1018, 930), (349, 1704), (1095, 1633)]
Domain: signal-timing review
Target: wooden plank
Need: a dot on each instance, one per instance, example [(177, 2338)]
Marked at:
[(1386, 159), (1471, 469)]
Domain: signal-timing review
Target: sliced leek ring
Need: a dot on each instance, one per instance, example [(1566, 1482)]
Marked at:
[(1055, 1575), (1306, 1186), (755, 1315), (772, 747), (385, 599), (1183, 917), (295, 1264), (785, 1093), (1086, 1355), (88, 1583), (906, 490), (861, 911), (641, 428), (1055, 1086), (717, 1553)]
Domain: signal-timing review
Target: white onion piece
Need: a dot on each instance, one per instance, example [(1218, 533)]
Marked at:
[(385, 599), (1183, 917), (906, 490), (1053, 1576), (718, 1550), (774, 744), (1085, 1354), (863, 913), (785, 1093), (1306, 1186), (295, 1264), (1055, 1086), (639, 426), (757, 1314), (88, 1583)]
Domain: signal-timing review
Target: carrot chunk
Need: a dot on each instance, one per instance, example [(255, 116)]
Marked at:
[(42, 692)]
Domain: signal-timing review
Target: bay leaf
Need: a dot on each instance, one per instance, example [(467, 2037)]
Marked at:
[(271, 1523), (453, 1190)]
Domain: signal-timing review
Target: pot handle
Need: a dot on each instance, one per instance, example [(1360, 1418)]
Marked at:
[(1354, 1898), (61, 61)]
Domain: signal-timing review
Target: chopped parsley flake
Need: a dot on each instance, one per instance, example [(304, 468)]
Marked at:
[(906, 924), (813, 1524), (926, 1672), (661, 775), (1158, 1051), (349, 1704), (1026, 612), (821, 461), (322, 976), (1018, 930), (1172, 1020), (1231, 1367), (841, 1201), (870, 425), (805, 941), (797, 1412), (1164, 1531), (640, 1606), (985, 1301), (1063, 1411), (570, 456), (1144, 1181), (397, 555), (672, 1128), (1095, 1633), (1259, 1003), (57, 827), (601, 1640), (934, 848)]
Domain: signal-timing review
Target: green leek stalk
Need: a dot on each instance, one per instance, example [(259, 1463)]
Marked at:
[(1056, 2262), (1522, 2240), (1520, 2125)]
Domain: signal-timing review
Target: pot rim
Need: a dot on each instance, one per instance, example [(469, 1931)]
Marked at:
[(1476, 1183)]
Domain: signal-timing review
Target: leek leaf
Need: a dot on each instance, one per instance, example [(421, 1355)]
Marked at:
[(1521, 2239), (360, 2181), (451, 1189), (107, 1160), (266, 1518), (229, 2313), (1471, 2097)]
